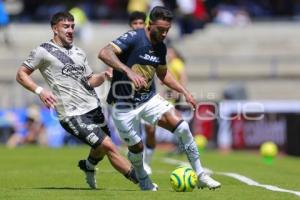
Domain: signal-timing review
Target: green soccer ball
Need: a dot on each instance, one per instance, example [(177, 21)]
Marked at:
[(183, 179), (268, 149)]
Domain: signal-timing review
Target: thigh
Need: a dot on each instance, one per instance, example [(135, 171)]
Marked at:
[(155, 108), (127, 124)]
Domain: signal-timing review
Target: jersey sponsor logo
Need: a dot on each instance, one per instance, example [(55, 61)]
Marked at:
[(75, 71), (150, 58)]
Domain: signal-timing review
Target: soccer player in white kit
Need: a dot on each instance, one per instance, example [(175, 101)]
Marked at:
[(66, 70), (136, 57)]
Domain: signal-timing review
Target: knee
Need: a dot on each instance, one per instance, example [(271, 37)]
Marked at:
[(137, 148), (182, 127)]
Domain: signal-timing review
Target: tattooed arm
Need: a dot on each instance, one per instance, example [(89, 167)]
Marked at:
[(109, 56), (166, 77)]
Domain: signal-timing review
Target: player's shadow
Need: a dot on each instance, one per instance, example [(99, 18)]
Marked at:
[(64, 188), (74, 188)]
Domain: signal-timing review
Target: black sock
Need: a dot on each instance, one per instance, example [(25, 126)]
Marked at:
[(132, 176), (94, 161)]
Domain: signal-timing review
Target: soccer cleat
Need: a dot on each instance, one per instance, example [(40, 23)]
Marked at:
[(205, 180), (147, 168), (147, 185), (89, 174)]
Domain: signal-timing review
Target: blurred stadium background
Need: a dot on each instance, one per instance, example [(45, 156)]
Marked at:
[(238, 53)]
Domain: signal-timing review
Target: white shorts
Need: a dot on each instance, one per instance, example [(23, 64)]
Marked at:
[(127, 121)]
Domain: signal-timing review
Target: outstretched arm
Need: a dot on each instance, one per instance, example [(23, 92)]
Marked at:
[(23, 77), (166, 77), (109, 56), (96, 80)]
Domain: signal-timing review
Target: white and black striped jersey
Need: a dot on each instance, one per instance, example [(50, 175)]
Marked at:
[(66, 71)]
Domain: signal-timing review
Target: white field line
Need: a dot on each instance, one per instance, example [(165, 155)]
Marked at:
[(239, 177)]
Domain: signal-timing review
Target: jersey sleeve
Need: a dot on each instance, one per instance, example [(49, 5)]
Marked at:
[(35, 59), (125, 41)]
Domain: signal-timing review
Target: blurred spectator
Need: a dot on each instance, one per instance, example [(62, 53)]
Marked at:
[(137, 5), (113, 9), (172, 5), (242, 18), (9, 124), (137, 20), (4, 21), (55, 133), (153, 3), (230, 15), (33, 131), (235, 91), (82, 29), (201, 16), (185, 13), (109, 9)]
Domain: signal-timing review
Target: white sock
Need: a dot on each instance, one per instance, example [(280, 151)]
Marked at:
[(148, 155), (186, 141), (136, 160)]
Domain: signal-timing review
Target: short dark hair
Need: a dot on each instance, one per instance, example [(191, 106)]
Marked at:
[(135, 15), (162, 13), (60, 16)]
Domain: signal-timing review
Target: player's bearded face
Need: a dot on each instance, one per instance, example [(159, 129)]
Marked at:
[(64, 31), (159, 30)]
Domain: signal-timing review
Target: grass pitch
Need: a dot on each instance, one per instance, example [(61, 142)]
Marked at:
[(29, 173)]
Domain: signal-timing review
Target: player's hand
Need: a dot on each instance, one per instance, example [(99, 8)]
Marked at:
[(48, 98), (138, 81), (107, 75), (190, 99)]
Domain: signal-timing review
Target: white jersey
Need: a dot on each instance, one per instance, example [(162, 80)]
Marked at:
[(66, 71)]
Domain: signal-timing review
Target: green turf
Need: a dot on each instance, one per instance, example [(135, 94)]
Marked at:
[(41, 173)]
